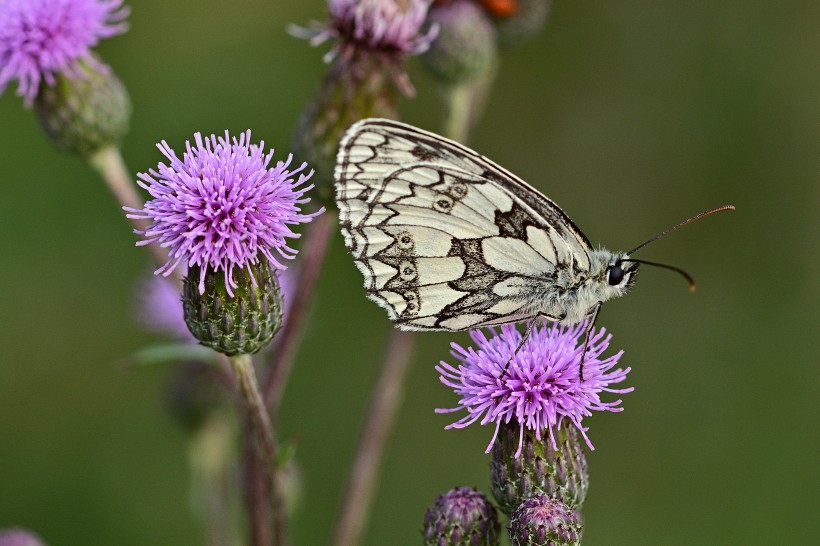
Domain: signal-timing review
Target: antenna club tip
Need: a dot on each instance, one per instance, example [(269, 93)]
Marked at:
[(693, 288)]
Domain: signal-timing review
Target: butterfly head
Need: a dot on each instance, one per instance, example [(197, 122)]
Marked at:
[(613, 272), (621, 273)]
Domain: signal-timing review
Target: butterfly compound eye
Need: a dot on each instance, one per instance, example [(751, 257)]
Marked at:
[(616, 274)]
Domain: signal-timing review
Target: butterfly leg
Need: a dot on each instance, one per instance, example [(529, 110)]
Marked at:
[(592, 316), (527, 333)]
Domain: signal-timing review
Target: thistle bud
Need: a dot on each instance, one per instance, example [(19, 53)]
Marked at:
[(542, 521), (461, 517), (540, 469), (465, 47), (523, 23), (84, 113), (240, 319)]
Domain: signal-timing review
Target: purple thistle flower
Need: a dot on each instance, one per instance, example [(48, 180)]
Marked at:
[(542, 385), (221, 206), (41, 38), (387, 25)]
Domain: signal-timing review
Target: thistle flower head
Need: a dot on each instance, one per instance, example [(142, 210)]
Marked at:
[(384, 25), (42, 38), (222, 206), (542, 385)]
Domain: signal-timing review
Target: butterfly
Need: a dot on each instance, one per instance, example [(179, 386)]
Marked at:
[(449, 240)]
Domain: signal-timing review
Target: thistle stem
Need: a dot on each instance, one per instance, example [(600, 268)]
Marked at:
[(458, 106), (319, 233), (387, 396), (262, 431), (109, 164), (257, 495), (464, 104), (211, 453)]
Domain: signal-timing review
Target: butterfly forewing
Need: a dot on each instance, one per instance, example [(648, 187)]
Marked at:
[(445, 238)]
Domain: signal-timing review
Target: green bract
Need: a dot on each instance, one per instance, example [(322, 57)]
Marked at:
[(240, 324)]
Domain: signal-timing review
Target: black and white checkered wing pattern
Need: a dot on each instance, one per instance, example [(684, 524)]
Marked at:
[(445, 238)]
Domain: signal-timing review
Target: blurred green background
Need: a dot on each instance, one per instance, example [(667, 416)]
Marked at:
[(632, 115)]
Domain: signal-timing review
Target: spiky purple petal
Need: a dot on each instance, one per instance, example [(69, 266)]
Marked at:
[(41, 38), (542, 385), (221, 206)]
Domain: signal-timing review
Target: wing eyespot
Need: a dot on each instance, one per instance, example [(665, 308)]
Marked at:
[(405, 241), (458, 190), (443, 203), (412, 306), (407, 271)]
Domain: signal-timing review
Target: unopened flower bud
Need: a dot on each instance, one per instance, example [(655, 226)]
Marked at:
[(466, 43), (461, 517), (542, 521), (523, 23), (85, 112)]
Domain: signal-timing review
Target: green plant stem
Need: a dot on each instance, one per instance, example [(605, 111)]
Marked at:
[(109, 164), (464, 103), (257, 495), (458, 106), (211, 452), (261, 429), (387, 396)]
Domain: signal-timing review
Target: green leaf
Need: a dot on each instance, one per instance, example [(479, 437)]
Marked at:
[(172, 353)]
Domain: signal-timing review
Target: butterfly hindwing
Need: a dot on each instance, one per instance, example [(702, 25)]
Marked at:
[(445, 238)]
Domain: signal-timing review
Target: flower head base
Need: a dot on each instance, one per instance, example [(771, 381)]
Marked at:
[(542, 386), (221, 206), (159, 306), (40, 39), (538, 468)]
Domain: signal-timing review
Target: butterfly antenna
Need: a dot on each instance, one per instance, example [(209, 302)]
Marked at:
[(687, 276), (676, 227)]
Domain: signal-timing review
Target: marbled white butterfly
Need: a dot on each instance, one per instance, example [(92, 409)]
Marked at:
[(448, 240)]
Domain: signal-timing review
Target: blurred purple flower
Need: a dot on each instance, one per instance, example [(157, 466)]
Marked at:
[(221, 206), (159, 309), (388, 25), (40, 38), (17, 536), (542, 385)]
